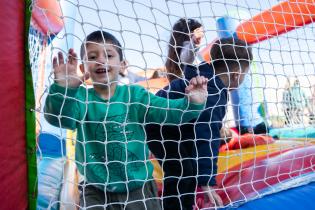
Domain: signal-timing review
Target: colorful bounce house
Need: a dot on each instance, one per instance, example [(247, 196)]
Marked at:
[(275, 170)]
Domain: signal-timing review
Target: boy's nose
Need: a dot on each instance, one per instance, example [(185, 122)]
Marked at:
[(101, 60)]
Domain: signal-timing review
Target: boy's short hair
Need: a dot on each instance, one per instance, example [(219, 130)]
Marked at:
[(228, 53), (101, 37)]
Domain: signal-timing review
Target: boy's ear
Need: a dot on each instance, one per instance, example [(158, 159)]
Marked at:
[(123, 65), (233, 77), (86, 74), (236, 75)]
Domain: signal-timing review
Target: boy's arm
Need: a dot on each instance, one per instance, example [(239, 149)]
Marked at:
[(175, 90), (207, 129), (173, 111), (179, 110), (61, 107), (208, 137)]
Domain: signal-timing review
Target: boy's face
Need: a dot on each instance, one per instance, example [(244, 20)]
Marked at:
[(102, 62)]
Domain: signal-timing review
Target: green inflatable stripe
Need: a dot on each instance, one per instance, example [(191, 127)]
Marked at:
[(30, 116)]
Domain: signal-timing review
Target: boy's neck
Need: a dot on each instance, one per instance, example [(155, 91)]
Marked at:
[(106, 91)]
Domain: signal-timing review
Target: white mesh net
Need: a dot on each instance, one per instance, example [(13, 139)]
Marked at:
[(95, 153)]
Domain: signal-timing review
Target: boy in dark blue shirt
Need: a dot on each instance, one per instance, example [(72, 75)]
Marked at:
[(188, 152)]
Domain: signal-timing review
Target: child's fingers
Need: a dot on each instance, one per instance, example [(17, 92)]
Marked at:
[(204, 80), (75, 56), (200, 29), (72, 53), (193, 81), (60, 58), (71, 59), (200, 80), (72, 56), (55, 62), (198, 33), (188, 89)]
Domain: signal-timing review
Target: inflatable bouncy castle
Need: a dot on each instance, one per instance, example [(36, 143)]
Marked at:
[(18, 144), (270, 170)]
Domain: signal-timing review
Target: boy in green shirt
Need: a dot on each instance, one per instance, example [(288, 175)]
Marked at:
[(111, 152)]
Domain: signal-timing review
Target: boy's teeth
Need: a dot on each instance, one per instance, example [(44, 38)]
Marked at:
[(100, 70)]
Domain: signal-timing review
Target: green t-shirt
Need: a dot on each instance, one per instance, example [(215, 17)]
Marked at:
[(111, 152)]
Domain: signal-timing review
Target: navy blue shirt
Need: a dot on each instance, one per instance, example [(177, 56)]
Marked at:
[(205, 129)]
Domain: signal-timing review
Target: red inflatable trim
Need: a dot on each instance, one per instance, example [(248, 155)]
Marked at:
[(245, 141), (13, 176), (246, 180)]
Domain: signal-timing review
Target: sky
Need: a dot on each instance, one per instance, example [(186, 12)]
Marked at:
[(143, 27)]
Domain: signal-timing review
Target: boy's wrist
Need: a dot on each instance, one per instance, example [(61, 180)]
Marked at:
[(194, 105), (57, 88), (65, 84)]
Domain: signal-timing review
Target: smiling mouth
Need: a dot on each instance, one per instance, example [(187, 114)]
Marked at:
[(101, 70)]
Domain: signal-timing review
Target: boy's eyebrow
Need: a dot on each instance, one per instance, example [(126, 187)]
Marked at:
[(91, 51), (96, 51)]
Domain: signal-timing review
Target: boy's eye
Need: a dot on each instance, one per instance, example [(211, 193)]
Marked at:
[(91, 57)]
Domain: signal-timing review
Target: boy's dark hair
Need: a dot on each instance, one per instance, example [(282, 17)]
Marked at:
[(102, 37), (229, 53)]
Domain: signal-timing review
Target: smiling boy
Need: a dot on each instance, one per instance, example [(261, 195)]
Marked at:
[(111, 153)]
